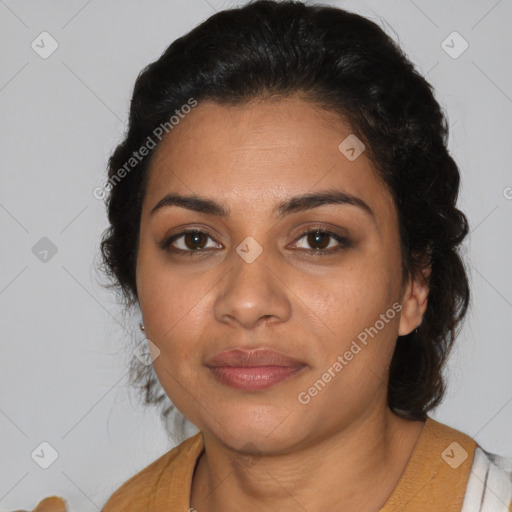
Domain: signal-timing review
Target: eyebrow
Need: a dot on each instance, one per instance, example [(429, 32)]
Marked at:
[(291, 205)]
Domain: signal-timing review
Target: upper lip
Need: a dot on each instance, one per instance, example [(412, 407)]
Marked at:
[(238, 357)]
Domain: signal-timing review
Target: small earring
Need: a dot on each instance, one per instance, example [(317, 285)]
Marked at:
[(141, 327)]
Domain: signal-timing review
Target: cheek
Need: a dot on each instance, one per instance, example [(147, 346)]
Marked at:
[(161, 291), (173, 312), (348, 297), (353, 309)]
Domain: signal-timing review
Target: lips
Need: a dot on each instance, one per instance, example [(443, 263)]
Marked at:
[(252, 358), (253, 370)]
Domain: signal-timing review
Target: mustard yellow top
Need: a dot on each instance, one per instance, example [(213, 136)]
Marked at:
[(435, 477)]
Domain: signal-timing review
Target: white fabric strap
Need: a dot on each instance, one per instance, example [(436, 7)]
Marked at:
[(489, 487)]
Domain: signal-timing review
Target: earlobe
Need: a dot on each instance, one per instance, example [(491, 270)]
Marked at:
[(414, 303)]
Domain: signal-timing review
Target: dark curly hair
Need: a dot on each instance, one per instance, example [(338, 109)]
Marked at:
[(346, 64)]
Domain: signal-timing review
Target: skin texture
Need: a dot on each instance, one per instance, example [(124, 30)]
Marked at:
[(265, 450)]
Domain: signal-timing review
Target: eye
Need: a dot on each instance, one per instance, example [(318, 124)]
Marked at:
[(193, 241), (319, 238)]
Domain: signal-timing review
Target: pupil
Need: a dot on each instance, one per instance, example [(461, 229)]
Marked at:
[(195, 239), (316, 236)]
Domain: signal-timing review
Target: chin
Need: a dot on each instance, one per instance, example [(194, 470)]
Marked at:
[(263, 427)]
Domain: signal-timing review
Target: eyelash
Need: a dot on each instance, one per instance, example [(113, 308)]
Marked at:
[(345, 243)]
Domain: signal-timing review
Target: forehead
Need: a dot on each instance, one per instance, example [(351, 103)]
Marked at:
[(242, 155)]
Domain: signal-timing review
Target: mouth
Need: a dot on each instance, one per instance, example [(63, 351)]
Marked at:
[(253, 370)]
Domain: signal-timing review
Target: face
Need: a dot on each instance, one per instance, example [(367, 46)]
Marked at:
[(259, 276)]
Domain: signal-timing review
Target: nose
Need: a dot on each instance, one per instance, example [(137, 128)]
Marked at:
[(253, 293)]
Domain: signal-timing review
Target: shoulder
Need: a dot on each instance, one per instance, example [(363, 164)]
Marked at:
[(484, 478), (141, 488), (441, 431), (489, 486), (455, 446)]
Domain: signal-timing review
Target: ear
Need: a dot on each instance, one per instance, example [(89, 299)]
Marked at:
[(414, 302)]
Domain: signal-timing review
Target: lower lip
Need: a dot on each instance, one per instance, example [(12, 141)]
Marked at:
[(253, 379)]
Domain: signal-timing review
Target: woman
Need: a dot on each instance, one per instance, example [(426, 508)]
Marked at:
[(283, 212)]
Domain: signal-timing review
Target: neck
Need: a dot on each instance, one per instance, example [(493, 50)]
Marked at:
[(357, 467)]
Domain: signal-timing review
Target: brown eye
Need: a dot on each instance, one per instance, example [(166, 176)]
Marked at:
[(192, 241), (318, 240), (321, 240)]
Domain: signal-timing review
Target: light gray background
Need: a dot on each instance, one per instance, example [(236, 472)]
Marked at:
[(63, 363)]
